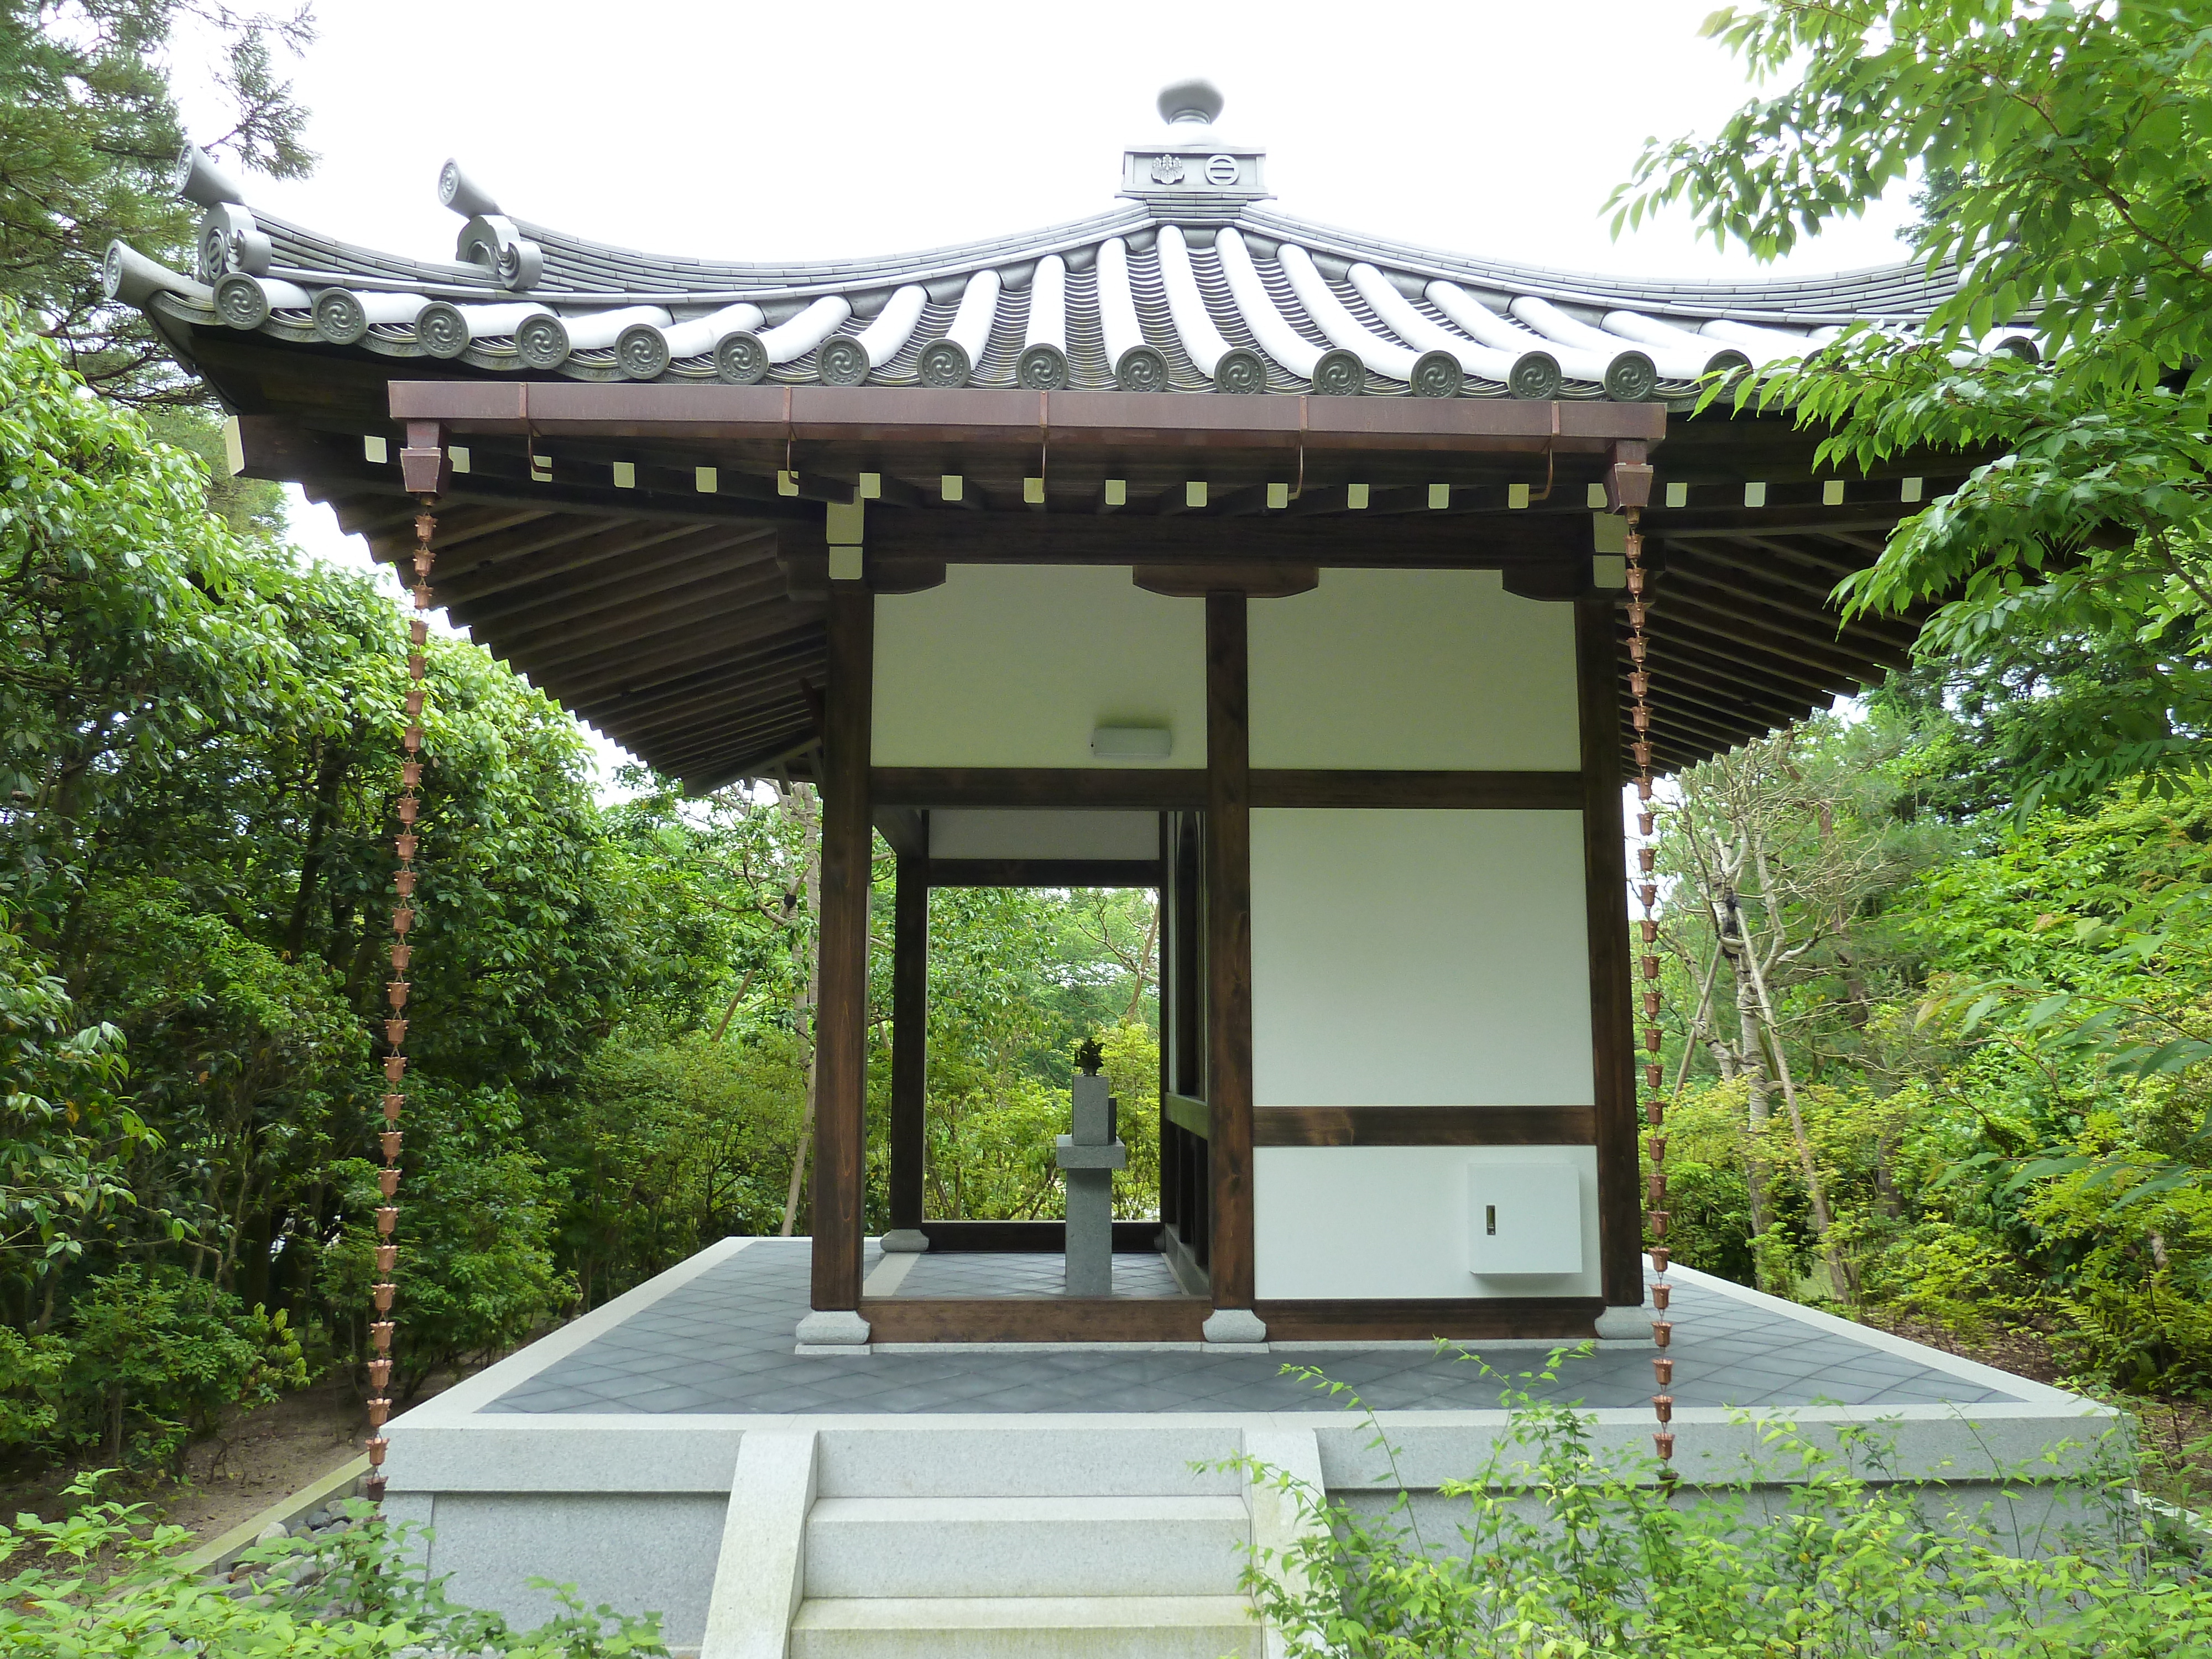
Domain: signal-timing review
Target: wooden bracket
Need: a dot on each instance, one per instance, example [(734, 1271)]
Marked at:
[(1253, 580)]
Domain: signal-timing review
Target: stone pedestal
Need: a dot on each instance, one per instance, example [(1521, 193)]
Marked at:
[(1088, 1158)]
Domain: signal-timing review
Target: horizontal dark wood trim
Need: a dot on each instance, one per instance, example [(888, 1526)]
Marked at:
[(1044, 872), (1564, 1318), (1470, 791), (1036, 1319), (964, 1237), (1154, 788), (1425, 1126), (1185, 1112)]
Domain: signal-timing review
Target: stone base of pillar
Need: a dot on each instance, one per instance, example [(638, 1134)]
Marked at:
[(832, 1331), (905, 1238), (1625, 1325), (1236, 1327)]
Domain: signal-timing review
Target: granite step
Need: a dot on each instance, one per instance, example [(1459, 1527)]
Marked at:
[(1027, 1627), (1064, 1545)]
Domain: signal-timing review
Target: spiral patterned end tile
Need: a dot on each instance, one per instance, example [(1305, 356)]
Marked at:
[(841, 361), (520, 265), (1437, 375), (111, 272), (449, 183), (1631, 378), (944, 363), (339, 317), (643, 351), (1043, 368), (239, 302), (1241, 371), (741, 358), (1727, 362), (542, 341), (442, 330), (180, 170), (1339, 373), (214, 252), (1141, 369), (1535, 377)]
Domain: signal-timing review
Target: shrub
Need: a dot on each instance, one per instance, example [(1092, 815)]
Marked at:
[(1566, 1550), (104, 1582), (476, 1230), (155, 1357)]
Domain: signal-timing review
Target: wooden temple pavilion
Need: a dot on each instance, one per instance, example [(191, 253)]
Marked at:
[(1192, 545)]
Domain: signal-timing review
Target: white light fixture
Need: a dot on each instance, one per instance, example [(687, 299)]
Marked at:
[(1132, 743)]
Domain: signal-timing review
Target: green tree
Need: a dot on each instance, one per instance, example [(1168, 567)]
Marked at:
[(89, 140), (2072, 150)]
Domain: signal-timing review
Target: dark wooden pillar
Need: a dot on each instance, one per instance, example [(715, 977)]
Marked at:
[(1229, 946), (841, 1059), (909, 1037), (1612, 1026)]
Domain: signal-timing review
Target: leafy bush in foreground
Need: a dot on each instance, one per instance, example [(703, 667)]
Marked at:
[(106, 1586), (1567, 1551)]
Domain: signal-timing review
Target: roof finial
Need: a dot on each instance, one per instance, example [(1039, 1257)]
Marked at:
[(1198, 101)]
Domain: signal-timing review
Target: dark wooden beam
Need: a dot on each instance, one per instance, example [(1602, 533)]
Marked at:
[(1044, 872), (611, 582), (655, 659), (1460, 791), (1229, 945), (909, 1038), (624, 619), (1032, 1238), (1562, 1319), (1425, 1126), (840, 1044), (1436, 541), (616, 542), (1605, 886), (1148, 789)]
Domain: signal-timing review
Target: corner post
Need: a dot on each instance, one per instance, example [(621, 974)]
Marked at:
[(1613, 1032), (1229, 966), (909, 1049), (841, 1064)]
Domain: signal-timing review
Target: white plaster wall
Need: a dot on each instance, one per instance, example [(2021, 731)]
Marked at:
[(1391, 1221), (1414, 670), (1015, 665), (1013, 832), (1418, 958)]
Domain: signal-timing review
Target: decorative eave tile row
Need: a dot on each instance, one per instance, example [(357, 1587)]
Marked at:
[(1264, 303)]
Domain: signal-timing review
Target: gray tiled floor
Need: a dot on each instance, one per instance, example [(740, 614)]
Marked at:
[(723, 1343), (1013, 1272)]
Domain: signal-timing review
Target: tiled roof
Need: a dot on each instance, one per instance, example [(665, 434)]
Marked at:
[(1193, 283)]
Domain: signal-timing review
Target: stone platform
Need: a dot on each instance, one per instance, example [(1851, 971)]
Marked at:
[(667, 1450)]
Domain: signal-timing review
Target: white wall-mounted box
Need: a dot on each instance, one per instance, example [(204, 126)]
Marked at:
[(1523, 1219)]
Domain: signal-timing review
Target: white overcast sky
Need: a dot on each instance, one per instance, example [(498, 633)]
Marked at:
[(751, 131)]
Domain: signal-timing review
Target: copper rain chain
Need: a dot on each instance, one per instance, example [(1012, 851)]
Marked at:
[(1655, 1103), (409, 806)]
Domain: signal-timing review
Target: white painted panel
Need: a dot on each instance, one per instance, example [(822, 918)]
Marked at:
[(1524, 1220), (1416, 669), (1018, 664), (1418, 958), (1392, 1221), (1017, 833)]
